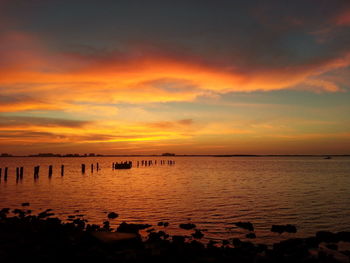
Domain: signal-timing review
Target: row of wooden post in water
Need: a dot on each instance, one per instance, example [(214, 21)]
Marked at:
[(129, 164), (115, 166)]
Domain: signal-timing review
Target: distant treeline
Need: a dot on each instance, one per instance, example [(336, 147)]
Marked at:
[(172, 154)]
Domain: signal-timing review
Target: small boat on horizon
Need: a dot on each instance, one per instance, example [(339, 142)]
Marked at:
[(327, 157)]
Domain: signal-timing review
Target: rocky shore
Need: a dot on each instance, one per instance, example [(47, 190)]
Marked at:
[(44, 237)]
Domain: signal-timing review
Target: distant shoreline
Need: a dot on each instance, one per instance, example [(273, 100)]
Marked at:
[(185, 155)]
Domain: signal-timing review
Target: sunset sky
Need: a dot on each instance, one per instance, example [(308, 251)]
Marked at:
[(189, 77)]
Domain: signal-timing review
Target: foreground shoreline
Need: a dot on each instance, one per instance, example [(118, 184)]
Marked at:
[(43, 237)]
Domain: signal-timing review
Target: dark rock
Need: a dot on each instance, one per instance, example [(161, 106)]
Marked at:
[(131, 228), (245, 225), (343, 236), (250, 235), (225, 242), (332, 246), (283, 228), (289, 245), (178, 239), (187, 226), (160, 224), (197, 234), (25, 204), (5, 210), (112, 215), (106, 225), (150, 230), (166, 224), (45, 214), (326, 236), (311, 242)]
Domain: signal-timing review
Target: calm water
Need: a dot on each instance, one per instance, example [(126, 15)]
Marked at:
[(312, 193)]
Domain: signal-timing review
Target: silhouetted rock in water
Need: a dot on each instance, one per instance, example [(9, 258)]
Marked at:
[(225, 242), (45, 214), (343, 236), (71, 216), (49, 239), (114, 237), (178, 239), (106, 226), (165, 224), (283, 228), (131, 228), (326, 236), (332, 246), (187, 226), (112, 215), (250, 235), (197, 234), (245, 225), (19, 212), (150, 230), (25, 204), (157, 236)]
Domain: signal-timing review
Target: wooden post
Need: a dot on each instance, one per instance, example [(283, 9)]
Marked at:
[(83, 168), (50, 171), (97, 166), (0, 172), (62, 170), (92, 168), (36, 172), (5, 173), (21, 173)]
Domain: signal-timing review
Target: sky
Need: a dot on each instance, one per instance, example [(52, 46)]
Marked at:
[(185, 76)]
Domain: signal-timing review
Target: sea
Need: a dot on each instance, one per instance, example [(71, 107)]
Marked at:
[(213, 193)]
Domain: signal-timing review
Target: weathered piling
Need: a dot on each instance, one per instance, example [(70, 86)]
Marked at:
[(138, 163), (92, 168), (62, 170), (83, 168), (17, 174), (36, 172), (0, 172), (5, 173), (97, 166), (21, 173), (50, 171)]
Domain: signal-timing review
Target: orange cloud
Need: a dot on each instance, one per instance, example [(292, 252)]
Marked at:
[(62, 81)]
